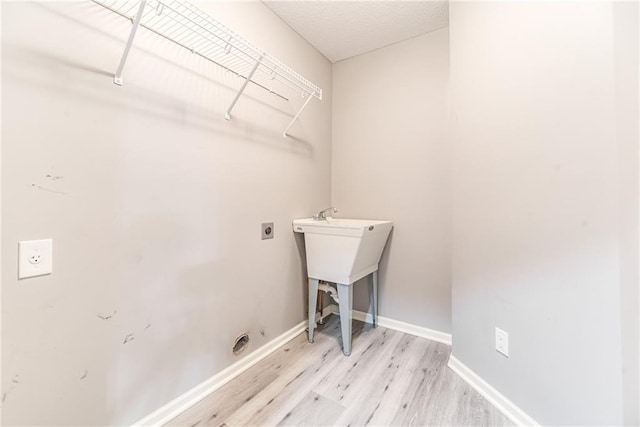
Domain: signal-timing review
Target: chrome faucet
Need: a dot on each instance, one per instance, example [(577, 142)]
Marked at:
[(322, 215)]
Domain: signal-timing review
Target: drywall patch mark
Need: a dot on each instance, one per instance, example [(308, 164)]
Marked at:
[(39, 187), (106, 317), (129, 337), (84, 375)]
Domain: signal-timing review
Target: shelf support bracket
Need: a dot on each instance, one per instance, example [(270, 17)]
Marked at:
[(117, 79), (227, 116), (297, 115)]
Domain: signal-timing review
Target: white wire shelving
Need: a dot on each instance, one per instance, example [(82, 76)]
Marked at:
[(194, 30)]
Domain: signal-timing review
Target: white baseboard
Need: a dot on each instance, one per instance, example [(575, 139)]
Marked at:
[(497, 399), (181, 403), (396, 325)]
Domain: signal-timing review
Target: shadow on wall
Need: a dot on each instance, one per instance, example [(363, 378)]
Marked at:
[(383, 267), (361, 287), (151, 103), (299, 239)]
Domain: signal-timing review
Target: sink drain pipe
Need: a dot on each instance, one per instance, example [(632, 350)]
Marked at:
[(333, 293), (326, 287)]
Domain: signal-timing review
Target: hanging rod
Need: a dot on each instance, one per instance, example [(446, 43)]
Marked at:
[(194, 30)]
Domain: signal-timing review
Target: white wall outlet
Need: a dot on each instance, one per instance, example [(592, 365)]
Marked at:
[(502, 342), (35, 258)]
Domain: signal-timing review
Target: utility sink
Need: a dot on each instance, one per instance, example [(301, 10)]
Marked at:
[(342, 251)]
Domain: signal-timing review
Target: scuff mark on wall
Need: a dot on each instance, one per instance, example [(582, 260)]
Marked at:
[(129, 337), (15, 381), (54, 177), (39, 187), (84, 375), (106, 317)]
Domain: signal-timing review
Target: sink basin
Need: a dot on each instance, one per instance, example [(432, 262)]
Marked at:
[(342, 250)]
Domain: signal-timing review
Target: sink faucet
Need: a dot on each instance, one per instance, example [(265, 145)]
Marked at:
[(322, 215)]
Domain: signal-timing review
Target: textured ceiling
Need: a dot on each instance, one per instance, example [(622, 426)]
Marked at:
[(341, 29)]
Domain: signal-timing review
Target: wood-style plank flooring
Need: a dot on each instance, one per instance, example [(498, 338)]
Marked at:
[(390, 379)]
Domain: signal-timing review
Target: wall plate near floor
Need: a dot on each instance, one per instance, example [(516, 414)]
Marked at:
[(35, 258)]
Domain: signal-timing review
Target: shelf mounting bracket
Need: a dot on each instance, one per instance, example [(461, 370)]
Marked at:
[(117, 79), (227, 116), (297, 115)]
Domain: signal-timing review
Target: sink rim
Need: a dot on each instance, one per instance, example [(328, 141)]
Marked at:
[(330, 222)]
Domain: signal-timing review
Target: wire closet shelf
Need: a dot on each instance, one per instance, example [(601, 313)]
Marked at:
[(194, 30)]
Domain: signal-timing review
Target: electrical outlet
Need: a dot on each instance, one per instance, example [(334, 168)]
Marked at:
[(267, 230), (35, 258), (502, 342)]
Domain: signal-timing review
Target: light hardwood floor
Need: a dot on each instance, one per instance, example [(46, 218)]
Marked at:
[(390, 379)]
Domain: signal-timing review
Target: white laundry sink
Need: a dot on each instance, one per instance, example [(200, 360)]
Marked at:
[(342, 250)]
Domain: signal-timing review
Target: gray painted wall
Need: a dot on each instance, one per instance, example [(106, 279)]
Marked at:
[(391, 161), (156, 215), (626, 51), (544, 169)]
